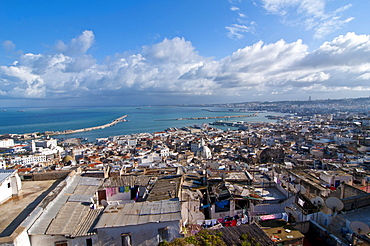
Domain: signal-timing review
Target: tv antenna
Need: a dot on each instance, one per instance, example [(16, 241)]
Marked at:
[(334, 204)]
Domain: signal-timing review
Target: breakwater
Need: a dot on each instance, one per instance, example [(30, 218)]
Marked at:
[(211, 117), (114, 122)]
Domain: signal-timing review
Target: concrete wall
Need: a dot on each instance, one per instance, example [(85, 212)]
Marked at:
[(146, 234), (190, 211), (51, 240), (323, 235), (230, 213), (356, 201), (49, 175), (18, 238), (16, 184), (120, 196), (5, 191), (274, 208), (350, 191), (46, 239)]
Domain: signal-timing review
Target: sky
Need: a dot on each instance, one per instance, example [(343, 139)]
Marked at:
[(166, 52)]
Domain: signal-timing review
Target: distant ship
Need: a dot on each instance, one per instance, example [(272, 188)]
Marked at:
[(21, 111)]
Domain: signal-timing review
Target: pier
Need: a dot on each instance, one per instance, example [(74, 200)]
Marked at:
[(211, 117), (114, 122)]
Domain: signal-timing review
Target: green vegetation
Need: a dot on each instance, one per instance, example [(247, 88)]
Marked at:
[(248, 241), (202, 238)]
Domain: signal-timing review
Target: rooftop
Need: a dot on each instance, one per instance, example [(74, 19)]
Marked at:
[(130, 214), (15, 210), (232, 235), (4, 174), (360, 214), (69, 213), (280, 231)]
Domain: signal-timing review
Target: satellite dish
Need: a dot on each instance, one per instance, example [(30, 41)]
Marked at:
[(334, 204), (359, 227), (300, 188), (317, 201), (104, 203)]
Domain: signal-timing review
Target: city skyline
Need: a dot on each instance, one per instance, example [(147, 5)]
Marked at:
[(163, 52)]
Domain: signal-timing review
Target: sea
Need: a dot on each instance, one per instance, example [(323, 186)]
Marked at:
[(140, 119)]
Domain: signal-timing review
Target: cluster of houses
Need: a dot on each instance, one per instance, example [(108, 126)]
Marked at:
[(298, 180)]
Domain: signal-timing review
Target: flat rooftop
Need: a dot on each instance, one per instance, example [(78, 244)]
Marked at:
[(280, 231), (270, 193), (359, 214), (16, 209)]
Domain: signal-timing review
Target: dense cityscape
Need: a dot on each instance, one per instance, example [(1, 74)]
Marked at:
[(301, 180)]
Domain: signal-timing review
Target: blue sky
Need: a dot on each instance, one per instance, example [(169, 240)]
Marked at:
[(144, 52)]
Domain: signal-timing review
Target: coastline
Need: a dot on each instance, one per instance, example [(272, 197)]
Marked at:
[(211, 117), (53, 133), (28, 136), (39, 120)]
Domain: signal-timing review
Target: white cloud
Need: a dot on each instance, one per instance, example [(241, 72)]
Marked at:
[(365, 76), (236, 31), (314, 77), (77, 45), (8, 45), (173, 66), (241, 27), (312, 13), (27, 84)]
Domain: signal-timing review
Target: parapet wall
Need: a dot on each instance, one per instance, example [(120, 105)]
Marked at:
[(45, 176)]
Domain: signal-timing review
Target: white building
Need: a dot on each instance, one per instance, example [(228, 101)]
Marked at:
[(46, 147), (28, 160), (69, 219), (146, 223), (6, 143), (164, 152), (10, 184), (334, 178), (47, 143), (204, 151)]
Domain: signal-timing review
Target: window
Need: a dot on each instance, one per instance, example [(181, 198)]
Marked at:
[(126, 239), (61, 243), (163, 234), (8, 185), (89, 242)]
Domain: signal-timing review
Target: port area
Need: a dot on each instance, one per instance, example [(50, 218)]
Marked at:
[(211, 117)]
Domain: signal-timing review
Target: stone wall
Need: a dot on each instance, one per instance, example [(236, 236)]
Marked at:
[(45, 176)]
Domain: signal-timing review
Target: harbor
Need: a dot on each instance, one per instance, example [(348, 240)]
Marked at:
[(114, 122), (211, 117), (27, 136)]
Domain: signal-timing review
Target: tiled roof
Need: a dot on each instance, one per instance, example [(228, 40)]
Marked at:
[(140, 213), (74, 219), (254, 234), (131, 181)]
